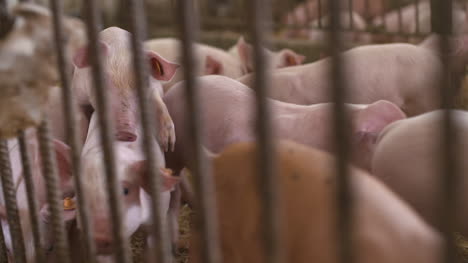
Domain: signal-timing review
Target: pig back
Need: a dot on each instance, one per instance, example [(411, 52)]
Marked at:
[(308, 212), (408, 159)]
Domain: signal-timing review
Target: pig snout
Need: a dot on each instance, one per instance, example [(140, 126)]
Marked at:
[(103, 243), (126, 128)]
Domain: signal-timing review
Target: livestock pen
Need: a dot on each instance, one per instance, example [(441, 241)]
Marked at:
[(314, 28)]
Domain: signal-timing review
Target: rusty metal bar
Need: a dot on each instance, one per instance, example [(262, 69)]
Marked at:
[(340, 127), (417, 17), (260, 31), (71, 125), (441, 24), (91, 14), (53, 194), (31, 195), (158, 226), (204, 184), (9, 193)]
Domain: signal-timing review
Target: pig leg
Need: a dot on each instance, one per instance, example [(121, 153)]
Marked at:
[(173, 216), (166, 132)]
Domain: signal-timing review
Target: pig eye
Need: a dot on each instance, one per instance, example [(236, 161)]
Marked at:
[(126, 191)]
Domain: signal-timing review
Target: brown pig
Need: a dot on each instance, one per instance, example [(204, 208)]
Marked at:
[(227, 113), (408, 160), (384, 229)]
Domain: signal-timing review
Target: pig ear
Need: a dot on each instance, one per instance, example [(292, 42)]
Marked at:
[(62, 155), (290, 58), (81, 57), (140, 169), (213, 66), (375, 117), (161, 69), (245, 51)]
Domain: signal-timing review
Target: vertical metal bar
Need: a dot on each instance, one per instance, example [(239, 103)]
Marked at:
[(72, 137), (341, 143), (31, 195), (260, 30), (441, 20), (350, 10), (400, 18), (9, 193), (92, 23), (158, 226), (367, 9), (3, 250), (417, 17), (204, 184), (384, 17), (6, 21), (52, 184), (319, 9)]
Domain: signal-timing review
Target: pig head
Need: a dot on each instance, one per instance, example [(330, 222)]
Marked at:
[(119, 76), (132, 184), (278, 59)]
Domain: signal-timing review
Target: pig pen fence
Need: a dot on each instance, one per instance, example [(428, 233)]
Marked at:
[(260, 26)]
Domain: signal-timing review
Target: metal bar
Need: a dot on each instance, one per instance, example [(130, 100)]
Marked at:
[(400, 18), (53, 192), (417, 17), (9, 193), (340, 127), (319, 9), (204, 185), (72, 138), (441, 23), (93, 22), (3, 249), (366, 9), (31, 195), (158, 226), (350, 10), (384, 17), (6, 21), (260, 31)]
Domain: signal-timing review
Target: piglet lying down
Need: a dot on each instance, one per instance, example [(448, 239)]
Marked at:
[(228, 116)]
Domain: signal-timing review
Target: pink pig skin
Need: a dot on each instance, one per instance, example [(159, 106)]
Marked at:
[(227, 113), (408, 160), (132, 185), (63, 162), (118, 64), (210, 60), (404, 74)]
